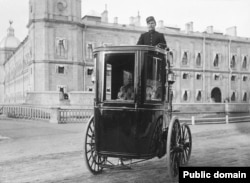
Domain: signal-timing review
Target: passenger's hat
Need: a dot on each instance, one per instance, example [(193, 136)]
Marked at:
[(150, 18)]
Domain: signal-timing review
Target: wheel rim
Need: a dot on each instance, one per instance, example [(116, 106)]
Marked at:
[(186, 141), (92, 159), (174, 149)]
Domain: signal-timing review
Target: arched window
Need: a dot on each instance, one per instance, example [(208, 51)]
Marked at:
[(185, 96), (184, 58), (244, 62), (233, 96), (244, 99), (198, 95), (233, 62), (216, 60), (198, 59)]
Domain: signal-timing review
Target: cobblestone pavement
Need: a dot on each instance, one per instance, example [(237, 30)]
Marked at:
[(35, 152)]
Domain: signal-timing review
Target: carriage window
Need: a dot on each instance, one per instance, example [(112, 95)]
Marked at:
[(119, 76), (154, 77)]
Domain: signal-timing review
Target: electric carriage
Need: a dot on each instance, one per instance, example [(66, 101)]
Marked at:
[(132, 118)]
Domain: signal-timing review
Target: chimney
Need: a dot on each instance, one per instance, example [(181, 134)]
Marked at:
[(160, 24), (115, 20), (105, 15), (210, 29), (231, 31), (189, 27)]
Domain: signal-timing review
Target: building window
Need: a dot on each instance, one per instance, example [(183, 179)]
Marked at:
[(233, 78), (198, 76), (108, 90), (90, 89), (60, 69), (185, 95), (185, 75), (244, 98), (244, 78), (233, 62), (216, 77), (198, 59), (233, 96), (90, 71), (185, 58), (216, 60), (244, 62), (198, 96), (61, 47)]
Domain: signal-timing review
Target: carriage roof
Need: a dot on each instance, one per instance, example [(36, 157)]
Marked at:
[(130, 48)]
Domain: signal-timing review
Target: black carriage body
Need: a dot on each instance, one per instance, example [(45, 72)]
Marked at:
[(131, 100)]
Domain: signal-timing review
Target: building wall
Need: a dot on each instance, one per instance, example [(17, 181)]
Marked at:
[(37, 63)]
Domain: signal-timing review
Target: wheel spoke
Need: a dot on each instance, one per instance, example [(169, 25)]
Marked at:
[(92, 159)]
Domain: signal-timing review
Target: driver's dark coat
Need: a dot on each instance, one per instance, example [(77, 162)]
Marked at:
[(151, 38)]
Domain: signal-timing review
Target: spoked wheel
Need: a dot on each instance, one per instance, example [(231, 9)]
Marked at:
[(186, 141), (174, 149), (156, 136), (93, 161)]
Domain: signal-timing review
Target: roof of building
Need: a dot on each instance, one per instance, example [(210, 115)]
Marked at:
[(10, 41)]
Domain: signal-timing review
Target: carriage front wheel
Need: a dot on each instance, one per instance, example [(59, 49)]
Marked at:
[(179, 146), (93, 161)]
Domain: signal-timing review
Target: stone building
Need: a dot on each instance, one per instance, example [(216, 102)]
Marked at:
[(56, 57)]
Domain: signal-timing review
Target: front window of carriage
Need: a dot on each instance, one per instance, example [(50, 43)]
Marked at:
[(154, 73), (119, 77)]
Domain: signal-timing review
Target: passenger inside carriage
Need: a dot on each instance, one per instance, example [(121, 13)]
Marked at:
[(126, 92), (119, 69)]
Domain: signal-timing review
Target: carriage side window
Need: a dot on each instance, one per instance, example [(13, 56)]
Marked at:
[(154, 77), (119, 76)]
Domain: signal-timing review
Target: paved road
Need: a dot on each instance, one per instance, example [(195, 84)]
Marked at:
[(33, 151)]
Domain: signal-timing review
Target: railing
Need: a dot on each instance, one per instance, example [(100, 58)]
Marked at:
[(59, 115), (74, 115), (214, 120), (53, 114), (27, 112)]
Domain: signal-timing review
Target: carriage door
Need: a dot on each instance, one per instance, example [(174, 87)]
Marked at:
[(153, 83)]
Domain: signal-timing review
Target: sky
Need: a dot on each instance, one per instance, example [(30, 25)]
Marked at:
[(221, 14)]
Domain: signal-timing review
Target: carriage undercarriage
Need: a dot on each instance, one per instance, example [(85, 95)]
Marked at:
[(175, 142)]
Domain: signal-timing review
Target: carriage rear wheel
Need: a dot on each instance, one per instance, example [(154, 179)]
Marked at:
[(173, 148), (93, 161), (186, 141)]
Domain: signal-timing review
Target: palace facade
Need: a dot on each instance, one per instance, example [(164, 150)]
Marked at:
[(56, 57)]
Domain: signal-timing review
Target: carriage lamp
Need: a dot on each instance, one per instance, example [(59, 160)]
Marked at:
[(171, 77)]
